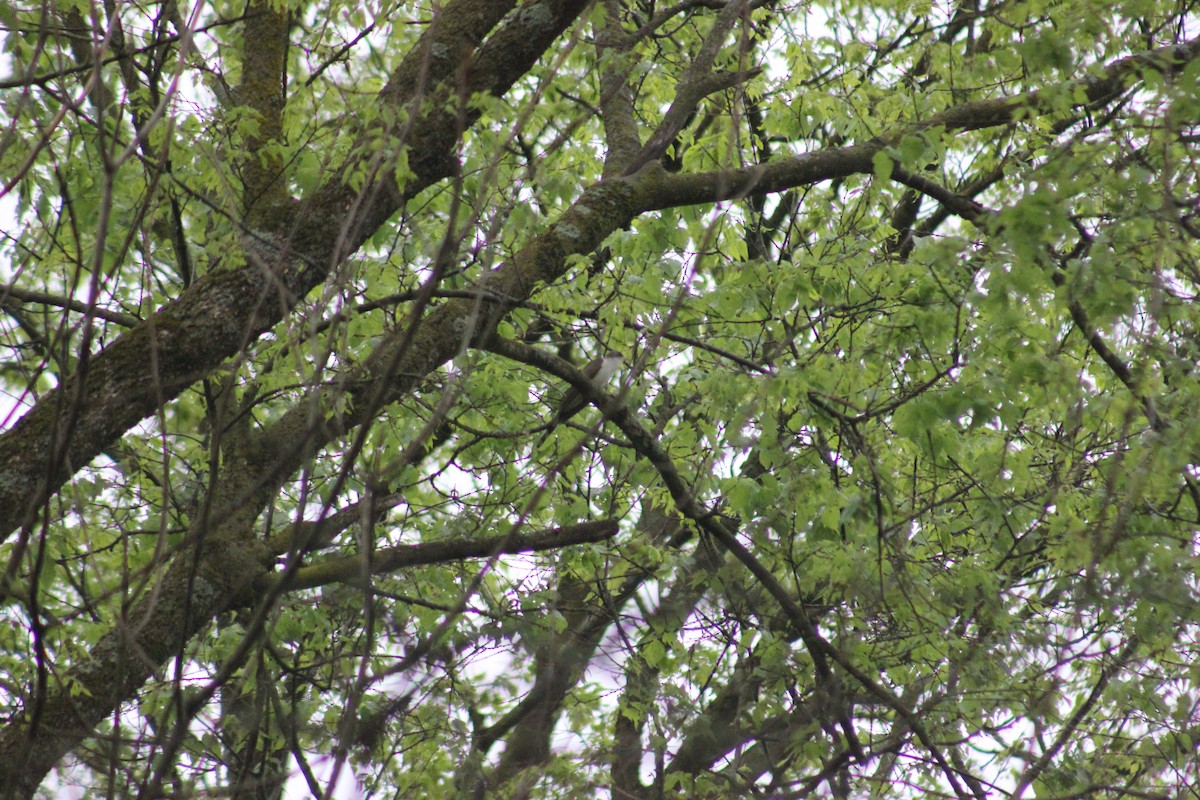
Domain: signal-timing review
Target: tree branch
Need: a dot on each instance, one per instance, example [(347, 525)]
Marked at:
[(392, 559)]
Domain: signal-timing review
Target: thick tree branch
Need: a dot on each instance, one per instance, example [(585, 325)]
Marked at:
[(263, 92), (614, 47), (787, 173)]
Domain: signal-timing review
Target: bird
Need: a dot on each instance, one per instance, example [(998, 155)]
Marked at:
[(598, 371)]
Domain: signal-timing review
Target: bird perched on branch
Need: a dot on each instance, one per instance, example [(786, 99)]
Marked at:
[(599, 370)]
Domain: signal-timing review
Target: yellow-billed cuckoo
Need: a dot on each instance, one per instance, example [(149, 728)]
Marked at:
[(599, 370)]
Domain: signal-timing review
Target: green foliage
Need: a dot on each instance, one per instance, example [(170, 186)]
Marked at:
[(940, 389)]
